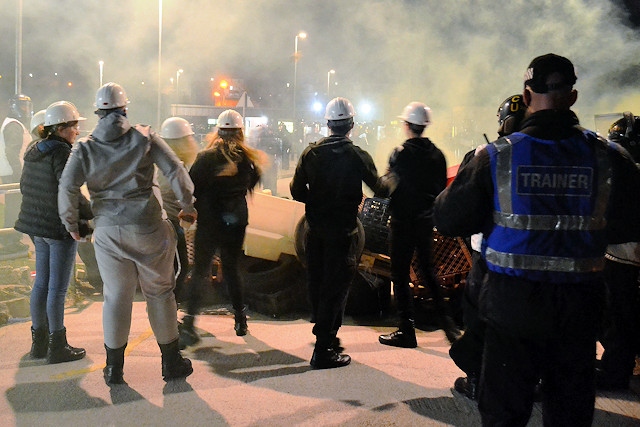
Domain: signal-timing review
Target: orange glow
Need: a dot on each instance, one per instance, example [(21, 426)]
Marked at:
[(224, 84)]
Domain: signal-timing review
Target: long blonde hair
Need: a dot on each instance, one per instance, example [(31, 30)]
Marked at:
[(232, 144)]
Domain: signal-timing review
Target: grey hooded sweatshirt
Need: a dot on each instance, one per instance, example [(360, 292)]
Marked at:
[(117, 163)]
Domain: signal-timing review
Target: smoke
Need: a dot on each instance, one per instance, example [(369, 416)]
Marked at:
[(461, 58)]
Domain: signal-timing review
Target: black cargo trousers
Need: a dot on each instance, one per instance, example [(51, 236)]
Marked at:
[(331, 268)]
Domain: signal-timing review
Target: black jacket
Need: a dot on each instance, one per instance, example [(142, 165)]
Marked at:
[(328, 179), (43, 165), (420, 170), (220, 199), (466, 206)]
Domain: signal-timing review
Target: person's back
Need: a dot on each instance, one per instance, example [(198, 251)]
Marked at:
[(548, 199), (619, 337), (423, 170), (14, 138), (418, 173), (119, 173), (559, 176), (335, 169), (133, 245), (328, 179)]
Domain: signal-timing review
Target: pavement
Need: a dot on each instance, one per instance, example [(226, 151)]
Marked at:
[(262, 379)]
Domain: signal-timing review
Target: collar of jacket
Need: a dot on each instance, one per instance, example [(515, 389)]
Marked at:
[(334, 140), (111, 127), (50, 143), (420, 142), (551, 124)]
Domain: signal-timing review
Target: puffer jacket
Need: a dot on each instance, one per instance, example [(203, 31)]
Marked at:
[(43, 166)]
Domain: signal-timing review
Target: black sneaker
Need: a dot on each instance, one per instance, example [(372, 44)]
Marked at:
[(399, 339)]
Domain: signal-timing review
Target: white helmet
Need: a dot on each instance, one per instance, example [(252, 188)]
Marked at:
[(339, 109), (230, 119), (416, 113), (61, 112), (111, 95), (175, 127), (37, 120)]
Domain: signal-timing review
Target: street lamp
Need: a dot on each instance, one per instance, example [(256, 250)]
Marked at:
[(159, 64), (180, 71), (329, 80), (223, 89), (300, 35), (101, 65)]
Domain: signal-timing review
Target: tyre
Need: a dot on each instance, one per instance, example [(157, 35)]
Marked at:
[(264, 275)]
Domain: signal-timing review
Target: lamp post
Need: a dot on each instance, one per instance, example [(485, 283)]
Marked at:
[(101, 66), (180, 71), (159, 64), (300, 35), (19, 49), (329, 81)]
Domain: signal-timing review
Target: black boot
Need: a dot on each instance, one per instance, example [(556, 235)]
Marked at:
[(404, 337), (241, 322), (328, 358), (113, 372), (336, 345), (468, 386), (59, 349), (173, 364), (188, 335), (39, 342)]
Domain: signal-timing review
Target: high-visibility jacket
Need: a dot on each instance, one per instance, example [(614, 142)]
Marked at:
[(550, 203)]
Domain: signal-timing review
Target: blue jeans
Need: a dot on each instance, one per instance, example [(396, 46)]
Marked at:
[(54, 265)]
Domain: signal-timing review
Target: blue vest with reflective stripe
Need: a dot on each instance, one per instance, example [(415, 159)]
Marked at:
[(550, 201)]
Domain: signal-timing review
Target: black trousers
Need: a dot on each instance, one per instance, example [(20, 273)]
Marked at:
[(407, 238), (539, 330), (620, 326), (466, 351), (182, 257), (210, 238), (331, 268)]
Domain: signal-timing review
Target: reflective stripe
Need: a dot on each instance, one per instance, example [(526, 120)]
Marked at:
[(506, 218), (548, 222), (604, 182), (503, 174), (544, 263)]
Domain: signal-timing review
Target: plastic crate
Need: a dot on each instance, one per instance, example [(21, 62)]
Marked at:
[(452, 262), (376, 217)]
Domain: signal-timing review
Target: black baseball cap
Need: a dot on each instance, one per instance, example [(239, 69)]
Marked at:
[(543, 66)]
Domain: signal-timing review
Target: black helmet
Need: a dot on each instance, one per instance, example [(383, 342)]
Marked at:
[(626, 132), (510, 114)]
